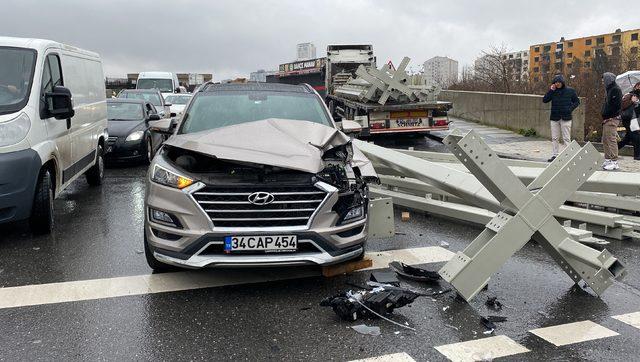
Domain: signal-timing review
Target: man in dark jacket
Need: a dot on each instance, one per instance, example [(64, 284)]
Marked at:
[(563, 101), (610, 121)]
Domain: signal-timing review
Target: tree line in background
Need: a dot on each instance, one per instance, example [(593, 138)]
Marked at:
[(497, 73)]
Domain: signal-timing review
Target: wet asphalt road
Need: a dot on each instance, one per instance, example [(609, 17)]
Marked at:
[(98, 234)]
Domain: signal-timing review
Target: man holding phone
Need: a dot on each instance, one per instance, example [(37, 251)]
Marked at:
[(563, 101)]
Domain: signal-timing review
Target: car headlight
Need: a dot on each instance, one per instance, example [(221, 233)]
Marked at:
[(15, 130), (165, 177), (135, 136)]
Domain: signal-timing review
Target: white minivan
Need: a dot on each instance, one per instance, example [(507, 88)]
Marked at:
[(166, 82), (53, 125)]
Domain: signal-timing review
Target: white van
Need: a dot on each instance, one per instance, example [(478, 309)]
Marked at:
[(53, 125), (166, 82)]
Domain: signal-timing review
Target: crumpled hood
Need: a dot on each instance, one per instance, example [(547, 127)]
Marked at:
[(292, 144)]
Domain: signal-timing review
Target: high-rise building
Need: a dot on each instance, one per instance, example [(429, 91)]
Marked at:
[(306, 51), (570, 56), (442, 71)]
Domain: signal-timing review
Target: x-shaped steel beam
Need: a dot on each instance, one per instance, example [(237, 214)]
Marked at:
[(394, 82), (528, 213)]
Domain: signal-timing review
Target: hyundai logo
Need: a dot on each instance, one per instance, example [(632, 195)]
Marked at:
[(261, 198)]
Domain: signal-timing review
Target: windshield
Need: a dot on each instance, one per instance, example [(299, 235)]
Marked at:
[(174, 99), (153, 98), (221, 109), (16, 73), (124, 111), (163, 85)]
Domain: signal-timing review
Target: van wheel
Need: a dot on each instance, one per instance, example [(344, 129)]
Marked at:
[(95, 174), (148, 151), (152, 261), (42, 212)]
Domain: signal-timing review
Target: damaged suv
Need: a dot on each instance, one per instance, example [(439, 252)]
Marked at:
[(256, 175)]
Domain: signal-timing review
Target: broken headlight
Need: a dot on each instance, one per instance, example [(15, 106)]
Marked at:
[(165, 177), (351, 207)]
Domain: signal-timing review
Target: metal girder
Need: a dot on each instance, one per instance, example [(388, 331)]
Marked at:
[(466, 213), (528, 213), (381, 221)]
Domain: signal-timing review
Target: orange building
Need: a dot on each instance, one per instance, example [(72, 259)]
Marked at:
[(573, 55)]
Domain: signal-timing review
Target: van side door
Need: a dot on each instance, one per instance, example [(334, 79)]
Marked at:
[(57, 129)]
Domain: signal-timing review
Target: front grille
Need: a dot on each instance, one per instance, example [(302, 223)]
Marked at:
[(111, 140), (230, 206)]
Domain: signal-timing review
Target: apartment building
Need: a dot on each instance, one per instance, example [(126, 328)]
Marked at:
[(570, 56), (442, 71)]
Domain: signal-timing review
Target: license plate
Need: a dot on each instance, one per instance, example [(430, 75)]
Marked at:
[(409, 123), (266, 243)]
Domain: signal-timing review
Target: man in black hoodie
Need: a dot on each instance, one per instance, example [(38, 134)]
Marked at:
[(610, 121), (563, 101)]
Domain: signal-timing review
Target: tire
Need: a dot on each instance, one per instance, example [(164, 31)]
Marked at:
[(41, 219), (148, 149), (153, 263), (95, 174)]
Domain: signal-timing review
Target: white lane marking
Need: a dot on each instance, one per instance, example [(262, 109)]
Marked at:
[(72, 291), (395, 357), (484, 349), (570, 333), (632, 319)]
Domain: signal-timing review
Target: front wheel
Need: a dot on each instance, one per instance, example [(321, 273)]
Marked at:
[(152, 261), (148, 151), (95, 174), (42, 212)]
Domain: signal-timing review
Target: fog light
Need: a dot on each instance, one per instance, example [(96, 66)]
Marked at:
[(354, 214), (163, 218)]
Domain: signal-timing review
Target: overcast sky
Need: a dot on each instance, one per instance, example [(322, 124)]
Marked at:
[(232, 38)]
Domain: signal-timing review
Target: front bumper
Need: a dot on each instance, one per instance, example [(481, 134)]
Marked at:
[(199, 243), (119, 150), (18, 177)]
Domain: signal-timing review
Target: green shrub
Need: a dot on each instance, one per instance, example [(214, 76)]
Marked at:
[(529, 132)]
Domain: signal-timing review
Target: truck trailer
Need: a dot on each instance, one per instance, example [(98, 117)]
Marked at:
[(411, 112)]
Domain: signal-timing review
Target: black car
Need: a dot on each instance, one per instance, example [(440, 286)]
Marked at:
[(149, 95), (129, 135)]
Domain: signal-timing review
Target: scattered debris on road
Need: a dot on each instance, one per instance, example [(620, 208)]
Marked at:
[(493, 303), (444, 244), (413, 273), (365, 329), (385, 277), (378, 302)]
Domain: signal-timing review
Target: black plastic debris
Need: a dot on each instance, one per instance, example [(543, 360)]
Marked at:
[(487, 323), (496, 318), (385, 277), (413, 273), (493, 303), (381, 300)]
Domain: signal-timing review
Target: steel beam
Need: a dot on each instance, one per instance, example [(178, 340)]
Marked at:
[(521, 213)]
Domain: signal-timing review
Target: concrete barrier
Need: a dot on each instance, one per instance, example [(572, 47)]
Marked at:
[(509, 111)]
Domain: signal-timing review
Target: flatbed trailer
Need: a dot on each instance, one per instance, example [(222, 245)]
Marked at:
[(415, 117)]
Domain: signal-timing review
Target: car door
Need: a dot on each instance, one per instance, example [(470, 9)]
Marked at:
[(57, 129)]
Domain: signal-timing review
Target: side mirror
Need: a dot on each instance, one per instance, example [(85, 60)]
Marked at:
[(59, 104), (350, 127), (154, 117), (164, 126)]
